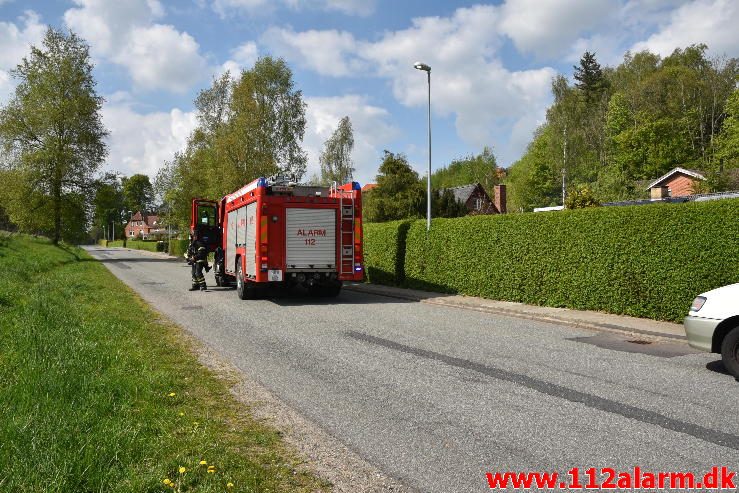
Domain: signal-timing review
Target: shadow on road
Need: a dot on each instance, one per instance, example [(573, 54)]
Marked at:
[(717, 367)]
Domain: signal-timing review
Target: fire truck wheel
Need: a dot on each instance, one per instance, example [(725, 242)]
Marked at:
[(246, 290), (241, 288)]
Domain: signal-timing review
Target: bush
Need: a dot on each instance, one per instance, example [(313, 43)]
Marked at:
[(162, 246), (384, 251), (178, 248), (645, 261)]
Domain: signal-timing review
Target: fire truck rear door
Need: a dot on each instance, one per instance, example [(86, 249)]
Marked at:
[(311, 239)]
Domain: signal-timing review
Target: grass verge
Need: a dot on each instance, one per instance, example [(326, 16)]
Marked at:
[(98, 394)]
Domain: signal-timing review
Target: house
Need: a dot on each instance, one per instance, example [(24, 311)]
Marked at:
[(477, 201), (678, 182), (368, 187), (143, 226)]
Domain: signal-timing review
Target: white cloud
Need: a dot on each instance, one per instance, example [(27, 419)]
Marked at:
[(369, 123), (360, 8), (16, 43), (224, 7), (142, 142), (160, 57), (468, 80), (107, 25), (326, 52), (548, 27), (713, 22), (157, 56), (243, 57)]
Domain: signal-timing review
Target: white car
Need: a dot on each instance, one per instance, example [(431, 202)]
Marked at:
[(713, 325)]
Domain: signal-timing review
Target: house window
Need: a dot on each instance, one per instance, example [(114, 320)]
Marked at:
[(478, 204)]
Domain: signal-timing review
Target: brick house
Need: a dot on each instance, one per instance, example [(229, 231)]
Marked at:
[(143, 226), (477, 200), (678, 182)]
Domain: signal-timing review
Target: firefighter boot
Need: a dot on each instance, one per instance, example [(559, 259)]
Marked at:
[(194, 288), (203, 287)]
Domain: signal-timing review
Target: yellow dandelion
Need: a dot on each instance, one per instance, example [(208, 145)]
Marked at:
[(172, 394), (182, 470), (230, 485), (182, 414), (203, 463), (211, 469)]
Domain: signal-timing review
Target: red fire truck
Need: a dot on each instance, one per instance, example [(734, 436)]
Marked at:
[(274, 232)]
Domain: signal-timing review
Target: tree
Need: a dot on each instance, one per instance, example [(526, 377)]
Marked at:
[(108, 204), (445, 204), (52, 136), (481, 168), (336, 157), (398, 194), (580, 198), (589, 77), (248, 127), (728, 145), (268, 119), (619, 126), (138, 193)]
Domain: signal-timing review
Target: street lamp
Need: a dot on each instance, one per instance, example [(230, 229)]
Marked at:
[(427, 69)]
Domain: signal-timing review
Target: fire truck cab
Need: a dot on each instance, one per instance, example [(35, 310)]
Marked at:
[(274, 232)]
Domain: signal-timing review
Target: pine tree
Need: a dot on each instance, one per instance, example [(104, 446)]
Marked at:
[(589, 77)]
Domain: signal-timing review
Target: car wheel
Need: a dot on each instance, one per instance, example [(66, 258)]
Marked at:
[(730, 352)]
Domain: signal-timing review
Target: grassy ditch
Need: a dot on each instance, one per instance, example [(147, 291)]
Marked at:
[(98, 394)]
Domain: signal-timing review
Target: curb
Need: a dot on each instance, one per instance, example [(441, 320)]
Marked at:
[(443, 300)]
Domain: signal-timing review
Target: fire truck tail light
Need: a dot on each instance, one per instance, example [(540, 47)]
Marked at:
[(264, 258)]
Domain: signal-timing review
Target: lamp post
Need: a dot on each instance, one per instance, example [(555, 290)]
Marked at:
[(427, 69)]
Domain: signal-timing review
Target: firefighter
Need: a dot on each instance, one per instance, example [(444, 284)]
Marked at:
[(197, 257)]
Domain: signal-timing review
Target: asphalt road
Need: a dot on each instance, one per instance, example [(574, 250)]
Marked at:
[(437, 396)]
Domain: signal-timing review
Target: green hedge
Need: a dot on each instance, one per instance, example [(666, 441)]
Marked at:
[(103, 243), (645, 261), (178, 248), (384, 251), (150, 245)]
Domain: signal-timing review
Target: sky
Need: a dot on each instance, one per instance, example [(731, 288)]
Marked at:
[(491, 64)]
